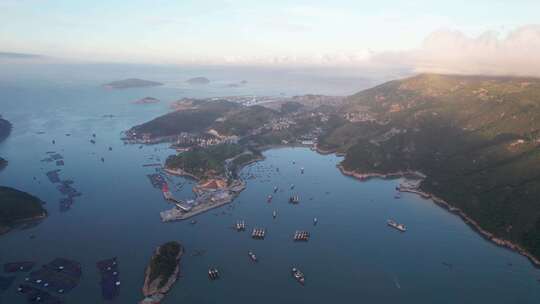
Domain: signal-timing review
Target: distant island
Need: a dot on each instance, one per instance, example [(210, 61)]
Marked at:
[(146, 100), (3, 163), (17, 207), (198, 80), (5, 129), (162, 272), (131, 83)]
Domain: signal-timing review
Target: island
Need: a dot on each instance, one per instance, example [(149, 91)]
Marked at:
[(131, 83), (146, 100), (162, 272), (17, 207), (198, 80), (469, 142)]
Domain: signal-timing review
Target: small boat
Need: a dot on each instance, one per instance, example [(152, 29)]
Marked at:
[(252, 256), (275, 189), (292, 186), (213, 274), (274, 214), (102, 159), (269, 198), (298, 275), (302, 170), (397, 226), (315, 220), (92, 141)]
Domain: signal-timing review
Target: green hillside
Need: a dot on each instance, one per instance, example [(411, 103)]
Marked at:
[(477, 138)]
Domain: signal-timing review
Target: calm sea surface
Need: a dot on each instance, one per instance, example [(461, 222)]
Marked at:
[(352, 256)]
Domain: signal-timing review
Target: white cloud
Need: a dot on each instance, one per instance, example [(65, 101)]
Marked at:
[(517, 53)]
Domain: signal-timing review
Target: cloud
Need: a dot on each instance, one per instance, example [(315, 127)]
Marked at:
[(445, 51)]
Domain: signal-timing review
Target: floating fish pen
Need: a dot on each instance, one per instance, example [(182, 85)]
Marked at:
[(110, 278), (60, 275), (157, 180), (258, 233), (34, 295), (301, 236), (240, 226), (6, 282), (24, 266), (295, 199), (66, 189), (66, 203), (53, 176), (213, 274)]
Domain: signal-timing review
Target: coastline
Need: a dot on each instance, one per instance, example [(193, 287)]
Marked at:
[(445, 205)]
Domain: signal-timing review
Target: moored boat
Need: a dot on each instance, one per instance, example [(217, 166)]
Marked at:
[(252, 256), (213, 273), (396, 225), (298, 275)]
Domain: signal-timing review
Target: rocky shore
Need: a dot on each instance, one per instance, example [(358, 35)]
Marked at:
[(153, 290), (441, 202)]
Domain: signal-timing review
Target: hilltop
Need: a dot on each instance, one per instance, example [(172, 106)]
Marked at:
[(476, 138), (17, 206)]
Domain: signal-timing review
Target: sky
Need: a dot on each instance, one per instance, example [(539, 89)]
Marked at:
[(314, 32)]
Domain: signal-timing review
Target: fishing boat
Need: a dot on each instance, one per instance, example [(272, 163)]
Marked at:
[(274, 214), (252, 256), (258, 233), (397, 226), (315, 220), (301, 236), (295, 199), (213, 274), (298, 275), (240, 226)]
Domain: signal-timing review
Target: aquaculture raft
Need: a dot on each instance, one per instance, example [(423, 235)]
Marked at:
[(34, 295), (18, 267), (60, 275), (110, 278)]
